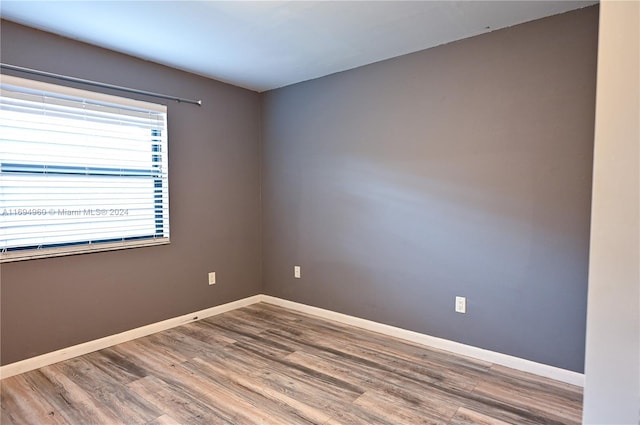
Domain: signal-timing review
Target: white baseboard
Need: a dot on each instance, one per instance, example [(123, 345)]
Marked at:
[(524, 365), (109, 341), (430, 341)]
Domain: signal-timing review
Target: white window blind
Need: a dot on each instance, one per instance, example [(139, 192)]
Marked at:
[(79, 171)]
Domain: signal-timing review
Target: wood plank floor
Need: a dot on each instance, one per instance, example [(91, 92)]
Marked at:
[(264, 364)]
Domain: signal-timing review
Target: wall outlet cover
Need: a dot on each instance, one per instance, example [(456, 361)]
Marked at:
[(461, 305)]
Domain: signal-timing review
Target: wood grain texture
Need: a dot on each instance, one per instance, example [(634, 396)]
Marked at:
[(264, 364)]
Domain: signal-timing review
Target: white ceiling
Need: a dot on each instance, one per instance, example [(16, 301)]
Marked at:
[(263, 45)]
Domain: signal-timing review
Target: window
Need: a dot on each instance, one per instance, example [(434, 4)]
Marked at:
[(79, 171)]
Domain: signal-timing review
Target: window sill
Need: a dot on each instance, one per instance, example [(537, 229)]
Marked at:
[(8, 257)]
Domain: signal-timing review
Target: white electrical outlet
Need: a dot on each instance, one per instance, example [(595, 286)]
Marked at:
[(296, 272), (461, 305), (212, 278)]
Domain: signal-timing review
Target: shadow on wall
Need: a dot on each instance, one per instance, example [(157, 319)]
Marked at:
[(402, 242)]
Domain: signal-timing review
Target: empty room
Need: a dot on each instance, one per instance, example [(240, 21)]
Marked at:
[(320, 212)]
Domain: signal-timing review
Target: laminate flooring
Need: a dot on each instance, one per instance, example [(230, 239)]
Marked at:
[(264, 364)]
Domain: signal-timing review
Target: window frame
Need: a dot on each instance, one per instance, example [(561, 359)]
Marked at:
[(159, 177)]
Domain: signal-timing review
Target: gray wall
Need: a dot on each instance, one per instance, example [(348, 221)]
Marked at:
[(214, 190), (612, 375), (460, 170)]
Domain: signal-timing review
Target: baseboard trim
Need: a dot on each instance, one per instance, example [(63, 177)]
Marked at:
[(109, 341), (524, 365), (47, 359)]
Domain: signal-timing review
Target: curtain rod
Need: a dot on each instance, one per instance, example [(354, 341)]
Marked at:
[(97, 84)]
